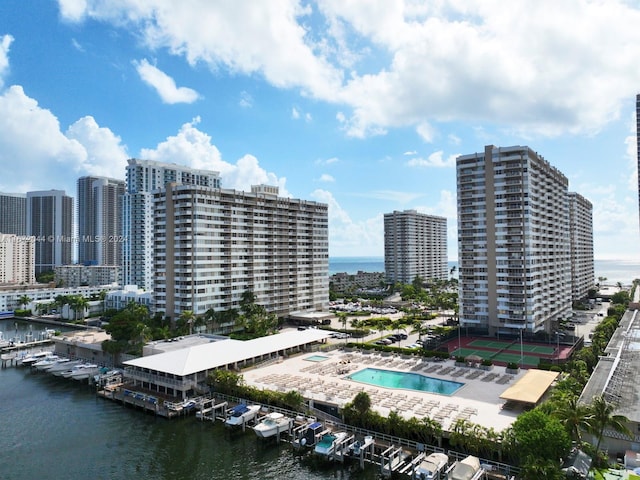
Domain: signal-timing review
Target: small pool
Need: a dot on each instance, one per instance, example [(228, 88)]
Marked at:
[(316, 358), (410, 381)]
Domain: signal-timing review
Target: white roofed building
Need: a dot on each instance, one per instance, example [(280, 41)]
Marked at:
[(182, 372)]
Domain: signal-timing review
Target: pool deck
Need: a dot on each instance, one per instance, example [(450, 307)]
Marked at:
[(478, 400)]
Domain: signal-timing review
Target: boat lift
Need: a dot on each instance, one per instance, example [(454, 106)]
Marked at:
[(391, 459), (410, 468)]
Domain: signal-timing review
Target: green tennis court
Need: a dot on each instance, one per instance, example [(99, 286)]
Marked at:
[(511, 346), (497, 357), (495, 344), (540, 349)]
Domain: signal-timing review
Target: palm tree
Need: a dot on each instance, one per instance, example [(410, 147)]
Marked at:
[(24, 300), (574, 416), (188, 317), (78, 303), (603, 417)]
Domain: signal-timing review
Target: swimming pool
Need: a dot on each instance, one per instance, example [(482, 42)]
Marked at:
[(316, 358), (411, 381)]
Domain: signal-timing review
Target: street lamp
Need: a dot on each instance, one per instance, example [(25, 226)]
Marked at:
[(521, 349)]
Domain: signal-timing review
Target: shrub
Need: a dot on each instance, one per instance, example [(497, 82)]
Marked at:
[(512, 366), (460, 359), (486, 362)]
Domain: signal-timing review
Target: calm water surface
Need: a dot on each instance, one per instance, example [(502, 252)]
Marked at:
[(54, 428)]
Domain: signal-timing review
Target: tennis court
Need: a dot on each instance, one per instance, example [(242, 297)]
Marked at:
[(512, 346), (503, 351), (497, 356)]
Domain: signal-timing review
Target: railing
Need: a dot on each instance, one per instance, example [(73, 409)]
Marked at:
[(335, 424)]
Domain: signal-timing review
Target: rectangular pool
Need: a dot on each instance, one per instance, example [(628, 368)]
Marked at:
[(406, 380), (316, 358)]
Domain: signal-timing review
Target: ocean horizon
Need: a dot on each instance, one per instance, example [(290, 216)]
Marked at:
[(613, 271)]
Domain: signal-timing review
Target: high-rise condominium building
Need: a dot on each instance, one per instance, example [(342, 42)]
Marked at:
[(144, 177), (581, 238), (100, 236), (638, 142), (513, 241), (17, 259), (212, 245), (415, 245), (50, 220), (13, 213)]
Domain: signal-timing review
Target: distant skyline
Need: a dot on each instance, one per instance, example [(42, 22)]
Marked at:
[(361, 105)]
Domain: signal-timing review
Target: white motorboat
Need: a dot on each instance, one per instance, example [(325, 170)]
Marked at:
[(62, 365), (327, 444), (431, 467), (75, 368), (273, 424), (87, 370), (467, 469), (46, 362), (29, 360), (241, 414)]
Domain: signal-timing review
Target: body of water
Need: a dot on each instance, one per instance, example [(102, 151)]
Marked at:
[(405, 380), (612, 270)]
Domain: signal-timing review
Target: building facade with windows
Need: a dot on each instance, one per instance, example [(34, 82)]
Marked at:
[(513, 241), (211, 245), (581, 240), (50, 221), (143, 177), (86, 275), (17, 259), (415, 245), (100, 235), (13, 213)]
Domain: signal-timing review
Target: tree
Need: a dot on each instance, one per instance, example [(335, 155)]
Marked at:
[(78, 304), (361, 403), (603, 417), (24, 300), (538, 435), (187, 317), (575, 417)]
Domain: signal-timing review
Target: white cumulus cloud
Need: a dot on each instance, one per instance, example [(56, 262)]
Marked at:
[(164, 85), (436, 159), (31, 135), (194, 148), (5, 43)]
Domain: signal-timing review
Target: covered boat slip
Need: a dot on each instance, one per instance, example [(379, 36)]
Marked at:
[(179, 372), (530, 389)]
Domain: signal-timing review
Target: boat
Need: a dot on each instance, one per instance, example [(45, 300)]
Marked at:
[(273, 424), (241, 414), (431, 467), (467, 469), (327, 444), (72, 370), (312, 433), (87, 370), (62, 365), (46, 361), (29, 360), (60, 362)]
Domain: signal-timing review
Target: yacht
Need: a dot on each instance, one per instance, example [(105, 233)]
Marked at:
[(241, 414), (30, 359), (87, 370), (62, 365), (273, 424), (46, 362), (431, 467)]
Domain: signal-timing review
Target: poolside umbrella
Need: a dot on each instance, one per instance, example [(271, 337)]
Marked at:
[(473, 358)]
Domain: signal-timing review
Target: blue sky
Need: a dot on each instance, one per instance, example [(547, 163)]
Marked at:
[(360, 104)]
